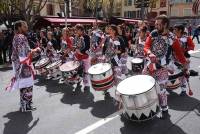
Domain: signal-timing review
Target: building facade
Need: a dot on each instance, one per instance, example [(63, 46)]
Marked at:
[(157, 7), (181, 8)]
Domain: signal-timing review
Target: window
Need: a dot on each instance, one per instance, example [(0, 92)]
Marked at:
[(163, 3), (50, 9), (62, 8), (153, 4), (129, 2), (187, 12), (175, 12), (163, 12), (125, 2), (125, 14), (138, 14), (188, 1)]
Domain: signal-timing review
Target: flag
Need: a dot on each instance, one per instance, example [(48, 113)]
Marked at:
[(195, 7)]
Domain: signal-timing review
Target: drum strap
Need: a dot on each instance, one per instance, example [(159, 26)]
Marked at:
[(117, 60)]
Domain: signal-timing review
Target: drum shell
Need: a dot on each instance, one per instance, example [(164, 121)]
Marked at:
[(43, 65), (137, 67), (173, 81), (68, 74), (55, 67), (142, 106), (103, 81)]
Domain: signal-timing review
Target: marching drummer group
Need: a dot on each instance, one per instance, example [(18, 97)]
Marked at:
[(161, 51)]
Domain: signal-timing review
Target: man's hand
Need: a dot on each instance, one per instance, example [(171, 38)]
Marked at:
[(152, 58)]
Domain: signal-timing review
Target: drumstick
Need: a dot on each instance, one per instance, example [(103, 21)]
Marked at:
[(188, 82)]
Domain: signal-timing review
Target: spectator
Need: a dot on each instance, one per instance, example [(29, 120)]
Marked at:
[(196, 34)]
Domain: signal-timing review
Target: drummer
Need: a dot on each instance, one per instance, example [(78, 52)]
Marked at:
[(82, 44), (160, 47), (114, 49), (140, 42), (51, 51), (66, 45), (186, 45)]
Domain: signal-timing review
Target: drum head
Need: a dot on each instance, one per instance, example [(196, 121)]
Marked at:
[(136, 85), (99, 68), (54, 64), (137, 60), (69, 66), (42, 62)]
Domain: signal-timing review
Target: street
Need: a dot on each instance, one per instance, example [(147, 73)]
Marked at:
[(59, 111)]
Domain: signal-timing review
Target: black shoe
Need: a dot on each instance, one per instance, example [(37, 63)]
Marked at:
[(86, 89), (183, 93), (193, 73), (28, 109), (107, 95), (32, 108), (164, 114)]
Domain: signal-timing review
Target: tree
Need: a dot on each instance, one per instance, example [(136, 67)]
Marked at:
[(24, 9)]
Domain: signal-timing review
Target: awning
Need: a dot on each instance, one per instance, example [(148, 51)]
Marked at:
[(73, 20), (129, 20)]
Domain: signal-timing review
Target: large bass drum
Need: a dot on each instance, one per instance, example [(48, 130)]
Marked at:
[(139, 97), (101, 76), (71, 71), (40, 66), (53, 68)]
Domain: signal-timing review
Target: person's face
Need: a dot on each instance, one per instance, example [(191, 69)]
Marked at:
[(159, 26), (24, 28), (41, 34), (177, 32), (49, 36), (79, 32), (119, 30), (142, 34), (112, 32)]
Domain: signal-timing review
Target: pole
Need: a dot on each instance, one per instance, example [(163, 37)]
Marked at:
[(65, 13), (70, 8), (142, 10), (96, 12)]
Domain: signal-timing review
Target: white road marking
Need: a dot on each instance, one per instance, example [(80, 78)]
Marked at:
[(96, 125), (195, 51)]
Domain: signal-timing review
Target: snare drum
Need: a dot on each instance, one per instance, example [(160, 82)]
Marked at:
[(69, 71), (35, 57), (53, 68), (174, 81), (101, 76), (137, 65), (139, 97), (41, 64)]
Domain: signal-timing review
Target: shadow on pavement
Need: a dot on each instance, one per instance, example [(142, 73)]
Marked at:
[(85, 99), (155, 126), (5, 68), (104, 108), (19, 123), (182, 103), (52, 86)]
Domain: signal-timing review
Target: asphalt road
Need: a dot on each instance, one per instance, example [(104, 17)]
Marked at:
[(59, 111)]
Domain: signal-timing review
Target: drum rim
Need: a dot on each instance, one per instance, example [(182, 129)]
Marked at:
[(59, 62), (102, 72), (137, 58), (43, 63), (154, 85), (69, 70)]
